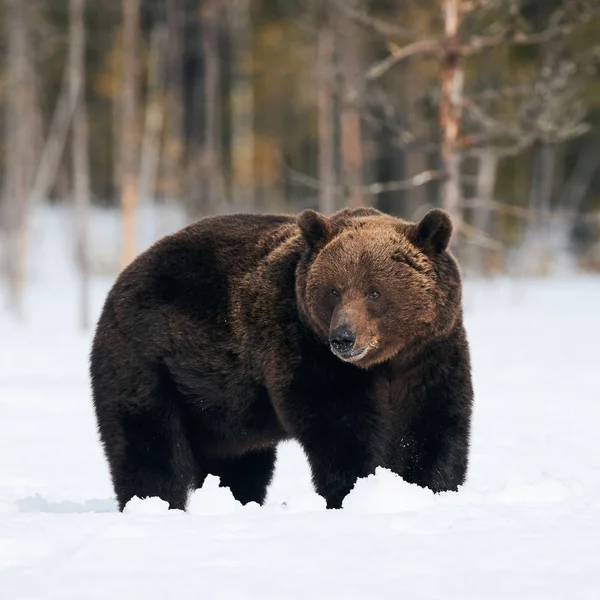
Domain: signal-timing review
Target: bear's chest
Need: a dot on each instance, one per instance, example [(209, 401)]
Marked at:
[(399, 392)]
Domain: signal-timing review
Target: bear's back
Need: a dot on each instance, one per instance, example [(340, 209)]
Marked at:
[(235, 241), (205, 253), (185, 281)]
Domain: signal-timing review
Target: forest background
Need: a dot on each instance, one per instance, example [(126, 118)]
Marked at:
[(148, 114)]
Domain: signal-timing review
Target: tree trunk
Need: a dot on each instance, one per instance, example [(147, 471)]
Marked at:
[(213, 164), (486, 184), (538, 244), (174, 150), (81, 175), (129, 156), (450, 111), (242, 106), (416, 157), (351, 140), (326, 75), (154, 118), (18, 145)]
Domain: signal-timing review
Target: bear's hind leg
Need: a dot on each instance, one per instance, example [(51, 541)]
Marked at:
[(247, 476), (141, 430), (155, 460)]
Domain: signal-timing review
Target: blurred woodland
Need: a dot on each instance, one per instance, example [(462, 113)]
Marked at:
[(488, 108)]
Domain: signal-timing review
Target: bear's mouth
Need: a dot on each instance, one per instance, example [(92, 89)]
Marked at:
[(353, 355)]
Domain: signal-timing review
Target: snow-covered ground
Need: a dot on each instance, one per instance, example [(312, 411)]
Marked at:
[(526, 524)]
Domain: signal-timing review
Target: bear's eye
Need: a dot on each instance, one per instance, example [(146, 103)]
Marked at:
[(336, 293), (374, 295)]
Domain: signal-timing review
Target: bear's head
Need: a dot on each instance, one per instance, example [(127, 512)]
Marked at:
[(374, 287)]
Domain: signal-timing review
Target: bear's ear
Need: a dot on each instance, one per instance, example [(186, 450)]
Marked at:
[(432, 234), (316, 228)]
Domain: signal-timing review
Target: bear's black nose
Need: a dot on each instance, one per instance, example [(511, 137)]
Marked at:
[(342, 339)]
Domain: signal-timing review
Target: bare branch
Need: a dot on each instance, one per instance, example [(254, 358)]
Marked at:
[(303, 179), (478, 43), (477, 236), (474, 45), (378, 25), (514, 91), (406, 184), (491, 124), (469, 6), (473, 142), (398, 54), (509, 209), (374, 188), (55, 142)]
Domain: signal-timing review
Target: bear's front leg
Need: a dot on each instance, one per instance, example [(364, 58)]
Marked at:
[(337, 458), (334, 415), (433, 451)]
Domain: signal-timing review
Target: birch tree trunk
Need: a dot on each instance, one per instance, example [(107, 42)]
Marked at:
[(486, 184), (18, 158), (129, 156), (538, 244), (450, 111), (326, 75), (81, 175)]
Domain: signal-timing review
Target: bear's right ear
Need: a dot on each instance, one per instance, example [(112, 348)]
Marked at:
[(432, 234), (316, 228)]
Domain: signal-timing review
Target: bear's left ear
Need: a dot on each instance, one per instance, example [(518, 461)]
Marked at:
[(432, 234), (316, 228)]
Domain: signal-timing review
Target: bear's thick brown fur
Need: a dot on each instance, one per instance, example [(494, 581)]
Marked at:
[(343, 333)]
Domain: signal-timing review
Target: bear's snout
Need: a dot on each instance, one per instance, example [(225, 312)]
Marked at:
[(342, 340)]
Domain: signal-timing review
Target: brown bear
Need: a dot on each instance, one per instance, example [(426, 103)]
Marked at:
[(344, 333)]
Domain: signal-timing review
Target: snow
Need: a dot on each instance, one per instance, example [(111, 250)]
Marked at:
[(215, 500), (146, 506), (525, 525), (386, 492)]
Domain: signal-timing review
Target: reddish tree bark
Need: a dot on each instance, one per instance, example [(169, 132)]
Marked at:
[(326, 75), (352, 75)]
